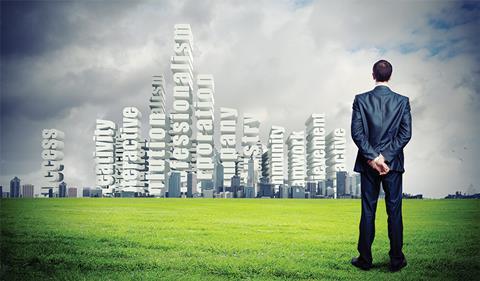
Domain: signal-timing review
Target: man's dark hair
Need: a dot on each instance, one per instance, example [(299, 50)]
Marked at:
[(382, 70)]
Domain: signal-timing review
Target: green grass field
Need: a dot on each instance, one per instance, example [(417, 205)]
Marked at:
[(232, 239)]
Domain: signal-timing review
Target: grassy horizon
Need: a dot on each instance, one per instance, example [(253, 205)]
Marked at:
[(229, 239)]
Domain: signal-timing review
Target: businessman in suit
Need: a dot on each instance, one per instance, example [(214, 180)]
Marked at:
[(381, 127)]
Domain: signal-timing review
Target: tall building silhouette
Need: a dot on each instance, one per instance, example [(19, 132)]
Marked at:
[(251, 178), (174, 183), (341, 183), (15, 188), (62, 189), (191, 183), (218, 177)]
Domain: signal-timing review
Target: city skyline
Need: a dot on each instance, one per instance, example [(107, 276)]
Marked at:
[(71, 82)]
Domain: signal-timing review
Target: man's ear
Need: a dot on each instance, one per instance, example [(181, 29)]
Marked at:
[(373, 75)]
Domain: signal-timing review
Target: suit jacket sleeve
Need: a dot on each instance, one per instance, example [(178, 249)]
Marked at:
[(403, 136), (358, 133)]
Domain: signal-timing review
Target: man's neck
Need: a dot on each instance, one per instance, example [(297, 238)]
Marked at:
[(382, 84)]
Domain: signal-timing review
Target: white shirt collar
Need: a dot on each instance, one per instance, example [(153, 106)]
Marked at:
[(382, 84)]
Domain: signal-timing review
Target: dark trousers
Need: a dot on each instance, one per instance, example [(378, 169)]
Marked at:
[(370, 186)]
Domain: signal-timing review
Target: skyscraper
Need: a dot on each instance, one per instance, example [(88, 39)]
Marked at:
[(104, 137), (218, 178), (341, 183), (251, 148), (62, 189), (252, 177), (174, 183), (228, 142), (182, 110), (322, 190), (329, 188), (355, 181), (27, 191), (204, 112), (276, 150), (157, 150), (235, 185), (311, 188), (118, 161), (15, 188), (133, 164), (191, 183), (296, 159), (315, 147), (335, 151), (52, 155)]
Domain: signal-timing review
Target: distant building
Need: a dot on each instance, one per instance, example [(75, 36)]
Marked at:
[(283, 191), (348, 185), (329, 183), (311, 188), (191, 183), (174, 185), (235, 185), (322, 190), (251, 173), (62, 189), (330, 192), (72, 192), (207, 184), (411, 196), (226, 194), (207, 193), (297, 192), (249, 192), (459, 195), (127, 194), (355, 183), (341, 179), (15, 188), (96, 192), (265, 165), (86, 192), (218, 173), (266, 189), (27, 191)]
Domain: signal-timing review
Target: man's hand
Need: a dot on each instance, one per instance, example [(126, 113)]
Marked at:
[(379, 165)]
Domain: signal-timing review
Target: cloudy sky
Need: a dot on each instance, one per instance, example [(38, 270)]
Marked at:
[(65, 64)]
